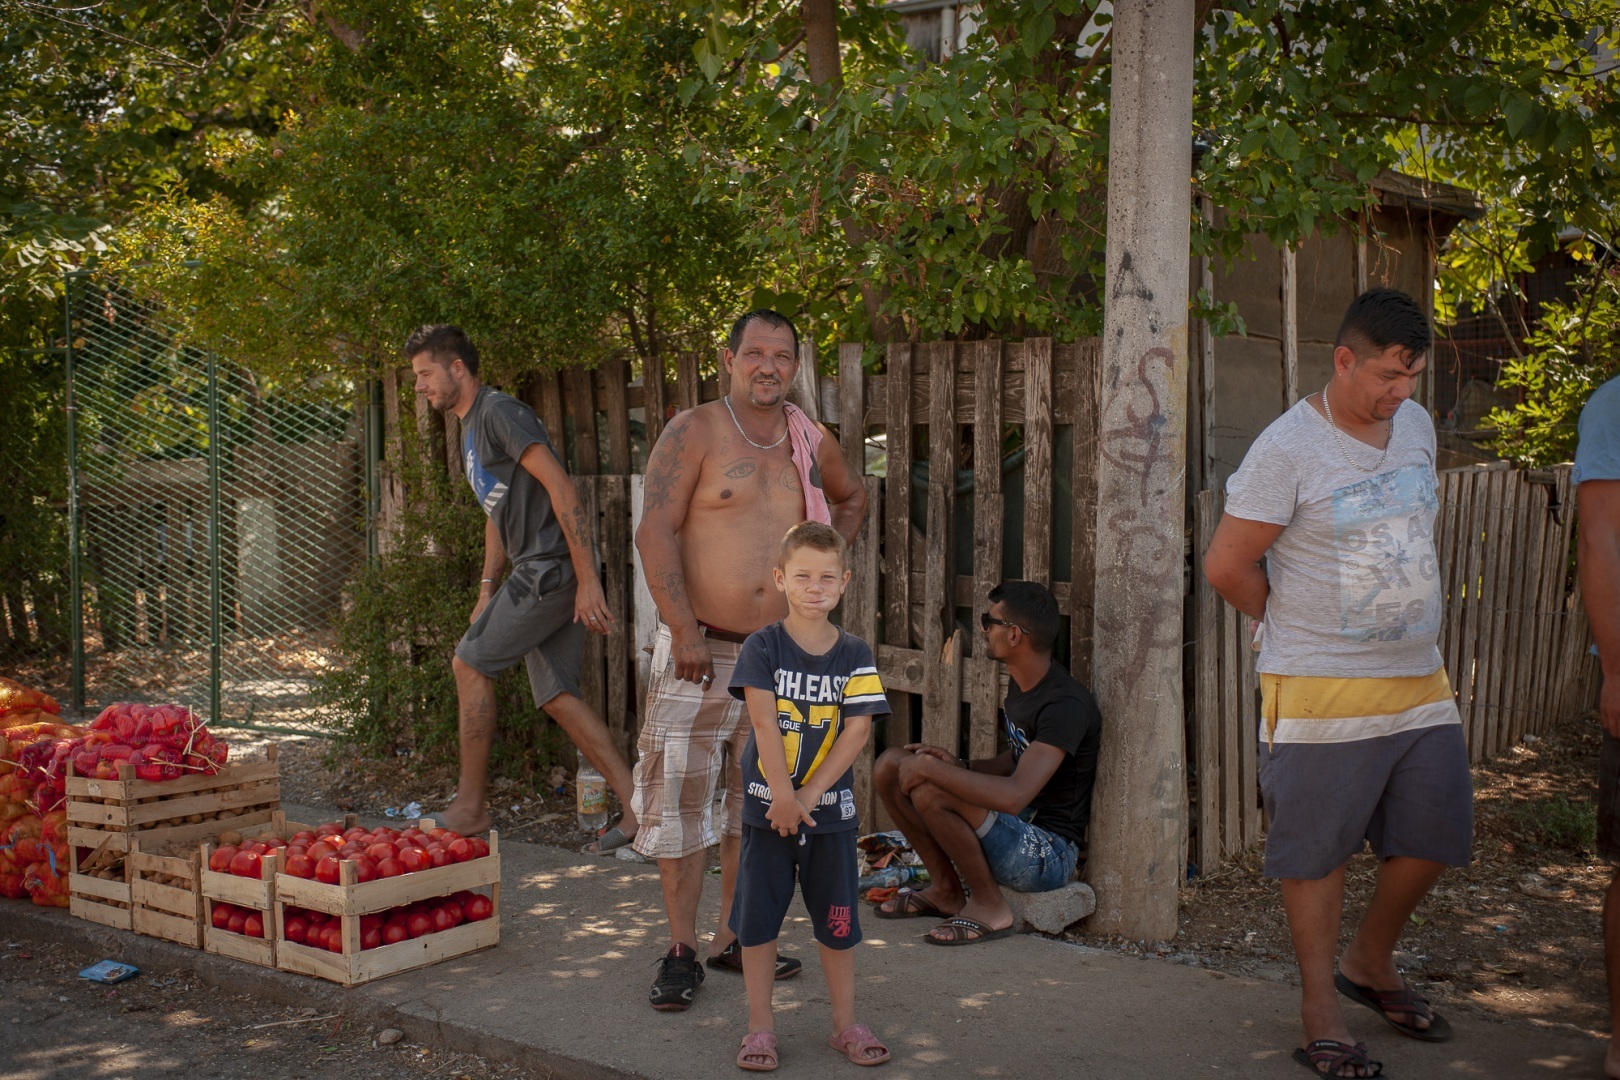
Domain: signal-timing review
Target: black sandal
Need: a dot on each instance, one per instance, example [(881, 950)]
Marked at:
[(730, 959), (679, 976)]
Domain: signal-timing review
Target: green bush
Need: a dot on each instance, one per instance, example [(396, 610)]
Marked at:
[(392, 686), (1574, 350)]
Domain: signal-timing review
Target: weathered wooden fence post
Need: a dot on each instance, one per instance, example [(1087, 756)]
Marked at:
[(1139, 816)]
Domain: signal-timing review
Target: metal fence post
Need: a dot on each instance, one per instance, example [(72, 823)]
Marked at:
[(75, 569), (373, 462), (215, 516)]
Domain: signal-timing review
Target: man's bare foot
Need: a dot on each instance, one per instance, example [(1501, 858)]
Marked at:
[(929, 903), (464, 818), (1326, 1021), (1383, 976)]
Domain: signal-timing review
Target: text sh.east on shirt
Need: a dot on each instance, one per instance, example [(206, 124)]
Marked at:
[(814, 695)]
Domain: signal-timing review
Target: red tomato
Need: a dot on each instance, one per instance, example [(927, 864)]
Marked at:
[(480, 846), (442, 833), (413, 833), (438, 856), (294, 928), (453, 910), (394, 932), (237, 920), (305, 837), (380, 851), (222, 916), (220, 860), (334, 936), (353, 847), (461, 849), (441, 919), (370, 939), (365, 868), (331, 828), (273, 842), (317, 918), (354, 833), (385, 834), (253, 925), (418, 923), (321, 848), (390, 867), (326, 869), (297, 848), (300, 866), (247, 864), (257, 847), (405, 843), (478, 908), (414, 859)]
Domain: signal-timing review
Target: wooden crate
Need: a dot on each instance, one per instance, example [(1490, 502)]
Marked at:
[(115, 813), (99, 900), (171, 910), (350, 899), (260, 895)]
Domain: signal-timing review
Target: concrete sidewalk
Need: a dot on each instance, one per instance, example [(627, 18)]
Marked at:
[(566, 991)]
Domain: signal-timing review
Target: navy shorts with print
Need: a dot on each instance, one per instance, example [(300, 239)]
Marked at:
[(826, 868)]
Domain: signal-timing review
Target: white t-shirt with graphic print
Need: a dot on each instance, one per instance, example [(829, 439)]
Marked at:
[(1355, 582)]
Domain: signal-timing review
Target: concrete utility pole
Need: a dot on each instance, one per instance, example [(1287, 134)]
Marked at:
[(1139, 814)]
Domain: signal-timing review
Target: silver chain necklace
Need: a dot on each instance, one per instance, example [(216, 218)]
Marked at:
[(744, 434), (1338, 438)]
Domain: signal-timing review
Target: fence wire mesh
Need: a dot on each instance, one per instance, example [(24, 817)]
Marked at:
[(218, 519)]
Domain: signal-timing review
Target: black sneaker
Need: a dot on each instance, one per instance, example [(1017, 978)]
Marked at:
[(679, 976)]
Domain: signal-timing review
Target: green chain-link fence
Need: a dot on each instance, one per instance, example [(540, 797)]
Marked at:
[(217, 520)]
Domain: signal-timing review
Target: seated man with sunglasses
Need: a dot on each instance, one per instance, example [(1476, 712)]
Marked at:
[(1017, 819)]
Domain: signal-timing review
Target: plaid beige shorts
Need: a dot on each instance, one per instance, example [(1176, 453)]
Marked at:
[(688, 737)]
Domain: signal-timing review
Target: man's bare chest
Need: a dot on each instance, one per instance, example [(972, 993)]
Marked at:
[(750, 482)]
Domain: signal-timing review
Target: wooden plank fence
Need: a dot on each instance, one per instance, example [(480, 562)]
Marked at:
[(1513, 639), (1019, 454)]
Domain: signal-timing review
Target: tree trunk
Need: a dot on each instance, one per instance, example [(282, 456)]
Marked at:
[(1139, 827), (826, 65)]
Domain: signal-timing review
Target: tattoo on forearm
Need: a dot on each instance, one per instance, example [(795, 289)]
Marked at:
[(673, 586), (577, 525)]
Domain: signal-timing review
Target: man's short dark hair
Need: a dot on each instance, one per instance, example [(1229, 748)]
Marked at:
[(444, 344), (1033, 607), (1380, 318), (773, 319)]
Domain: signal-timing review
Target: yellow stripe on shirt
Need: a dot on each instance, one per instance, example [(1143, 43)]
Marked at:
[(1331, 709)]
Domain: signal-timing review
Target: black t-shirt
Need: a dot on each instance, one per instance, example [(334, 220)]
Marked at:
[(495, 433), (813, 696), (1060, 712)]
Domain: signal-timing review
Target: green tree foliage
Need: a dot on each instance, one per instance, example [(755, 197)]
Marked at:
[(510, 168), (1574, 350)]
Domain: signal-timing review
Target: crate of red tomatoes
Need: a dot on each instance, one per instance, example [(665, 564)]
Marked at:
[(356, 904)]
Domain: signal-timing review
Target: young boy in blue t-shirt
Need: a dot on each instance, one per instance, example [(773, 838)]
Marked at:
[(811, 691)]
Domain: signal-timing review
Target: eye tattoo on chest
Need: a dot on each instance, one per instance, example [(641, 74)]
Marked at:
[(740, 468)]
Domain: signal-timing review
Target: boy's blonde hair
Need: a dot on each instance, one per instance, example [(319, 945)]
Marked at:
[(817, 537)]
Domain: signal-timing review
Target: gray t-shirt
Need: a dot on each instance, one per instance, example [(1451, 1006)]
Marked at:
[(1355, 584), (494, 434)]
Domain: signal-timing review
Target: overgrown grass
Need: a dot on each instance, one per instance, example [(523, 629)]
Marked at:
[(1559, 821)]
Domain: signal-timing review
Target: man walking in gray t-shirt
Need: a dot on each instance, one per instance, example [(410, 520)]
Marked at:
[(540, 613), (1360, 739)]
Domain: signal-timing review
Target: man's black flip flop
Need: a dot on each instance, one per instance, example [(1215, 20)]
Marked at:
[(730, 959)]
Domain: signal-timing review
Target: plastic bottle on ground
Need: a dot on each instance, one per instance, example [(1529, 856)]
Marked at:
[(590, 795)]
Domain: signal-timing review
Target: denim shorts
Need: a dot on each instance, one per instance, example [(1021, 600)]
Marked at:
[(1025, 857)]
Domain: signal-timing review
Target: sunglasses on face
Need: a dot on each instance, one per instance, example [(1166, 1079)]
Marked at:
[(986, 621)]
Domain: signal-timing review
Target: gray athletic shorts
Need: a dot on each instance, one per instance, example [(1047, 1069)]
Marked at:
[(530, 618), (1608, 808), (1408, 794)]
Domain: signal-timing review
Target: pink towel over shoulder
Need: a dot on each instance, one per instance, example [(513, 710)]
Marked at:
[(806, 436)]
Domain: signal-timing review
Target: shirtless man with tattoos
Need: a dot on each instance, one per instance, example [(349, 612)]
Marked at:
[(723, 486), (542, 610)]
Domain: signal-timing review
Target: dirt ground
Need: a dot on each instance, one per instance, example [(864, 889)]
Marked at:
[(57, 1026), (1516, 936)]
